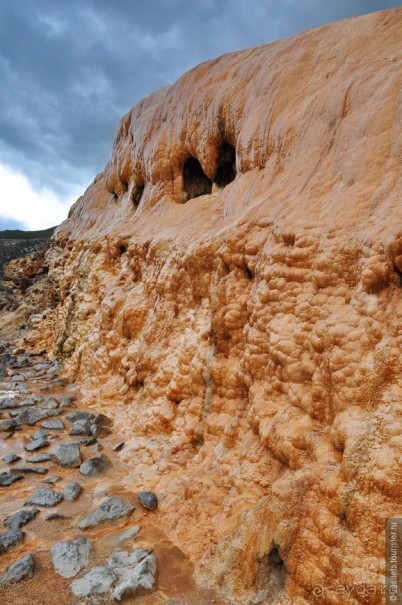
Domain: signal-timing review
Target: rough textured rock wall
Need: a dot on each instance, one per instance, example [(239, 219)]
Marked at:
[(248, 341)]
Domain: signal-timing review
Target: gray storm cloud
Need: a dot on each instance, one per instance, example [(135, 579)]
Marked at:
[(69, 70)]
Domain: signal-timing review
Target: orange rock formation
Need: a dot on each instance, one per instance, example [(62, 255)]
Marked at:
[(230, 292)]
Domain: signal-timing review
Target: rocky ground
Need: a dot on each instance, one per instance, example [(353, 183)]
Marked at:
[(71, 532)]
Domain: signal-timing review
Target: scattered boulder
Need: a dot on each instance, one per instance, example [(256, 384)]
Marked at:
[(99, 430), (50, 404), (86, 441), (94, 466), (10, 538), (31, 416), (123, 561), (148, 500), (102, 420), (111, 508), (55, 424), (77, 416), (21, 517), (141, 579), (39, 434), (21, 569), (68, 455), (44, 496), (37, 444), (80, 428), (72, 491), (70, 556), (6, 480), (51, 479), (10, 458), (36, 458), (9, 425), (97, 581), (35, 470)]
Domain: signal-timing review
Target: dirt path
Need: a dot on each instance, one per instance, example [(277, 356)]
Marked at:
[(30, 382)]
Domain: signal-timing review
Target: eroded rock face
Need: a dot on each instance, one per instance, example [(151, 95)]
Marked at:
[(247, 341)]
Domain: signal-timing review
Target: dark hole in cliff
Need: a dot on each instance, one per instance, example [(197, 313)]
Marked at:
[(122, 249), (399, 273), (272, 572), (195, 181), (248, 273), (136, 195), (226, 172)]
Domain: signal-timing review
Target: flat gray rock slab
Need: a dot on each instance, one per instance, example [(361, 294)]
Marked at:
[(21, 569), (21, 517), (68, 455), (54, 479), (36, 458), (77, 416), (148, 500), (38, 434), (72, 491), (123, 561), (97, 581), (35, 470), (55, 424), (10, 458), (111, 508), (10, 538), (44, 496), (50, 404), (70, 556), (80, 428), (37, 444), (6, 480), (94, 466), (142, 578)]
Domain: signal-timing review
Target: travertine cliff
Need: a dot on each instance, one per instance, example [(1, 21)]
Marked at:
[(230, 292)]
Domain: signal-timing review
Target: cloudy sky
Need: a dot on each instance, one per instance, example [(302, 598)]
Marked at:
[(70, 68)]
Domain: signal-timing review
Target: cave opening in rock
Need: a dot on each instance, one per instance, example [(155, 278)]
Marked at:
[(195, 181), (399, 273), (226, 172), (122, 249), (136, 195), (272, 572)]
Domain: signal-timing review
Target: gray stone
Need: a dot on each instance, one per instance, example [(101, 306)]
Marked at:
[(141, 579), (6, 480), (36, 458), (21, 517), (94, 466), (10, 458), (9, 425), (67, 402), (97, 581), (50, 404), (123, 562), (36, 445), (31, 416), (70, 556), (56, 424), (76, 416), (55, 516), (72, 491), (21, 569), (44, 496), (80, 428), (96, 447), (35, 470), (68, 455), (111, 508), (86, 441), (18, 378), (54, 479), (148, 500), (38, 434), (99, 430), (10, 538)]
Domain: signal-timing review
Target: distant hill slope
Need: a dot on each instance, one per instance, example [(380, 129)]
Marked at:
[(27, 235)]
